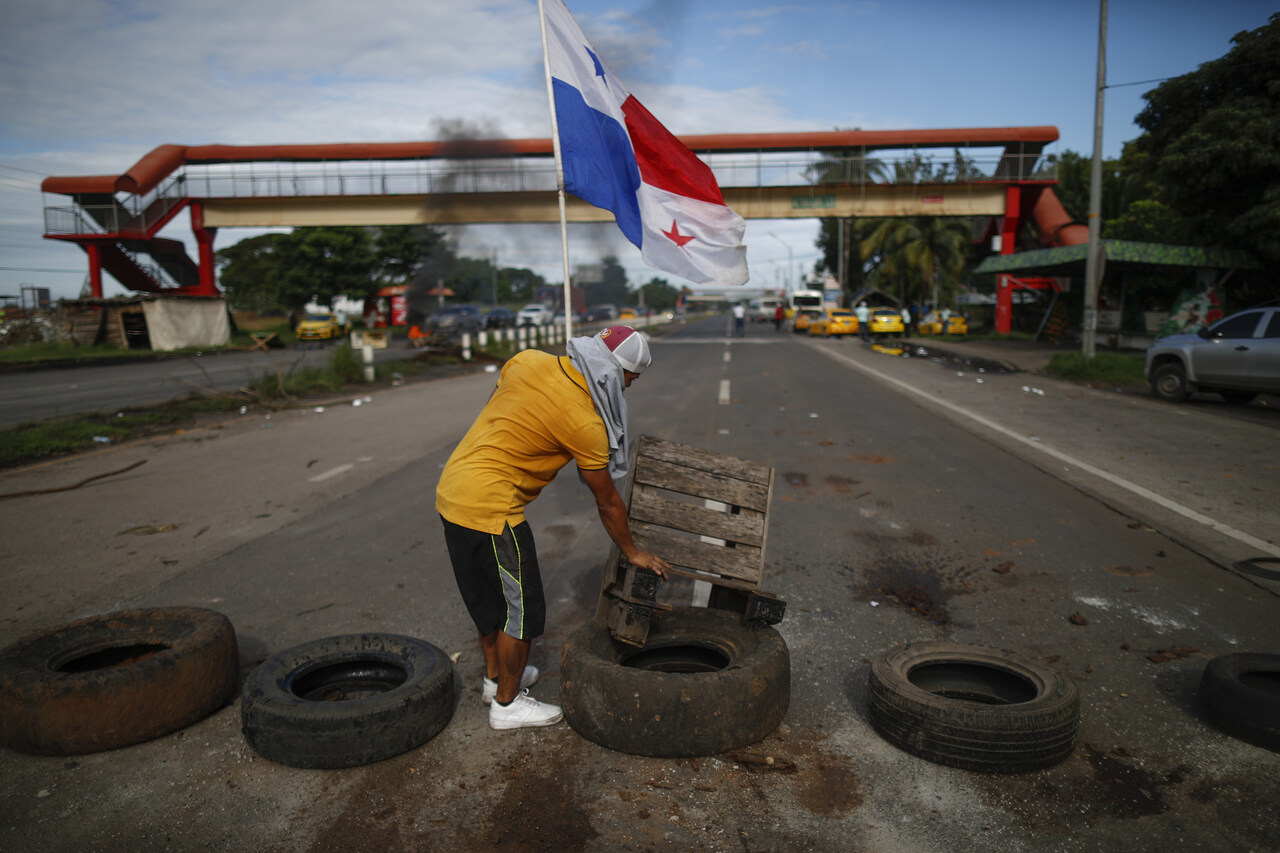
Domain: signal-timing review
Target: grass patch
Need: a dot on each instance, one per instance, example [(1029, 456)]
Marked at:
[(65, 351), (32, 442), (77, 433), (1104, 368)]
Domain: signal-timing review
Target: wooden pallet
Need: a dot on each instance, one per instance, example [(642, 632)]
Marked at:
[(707, 515)]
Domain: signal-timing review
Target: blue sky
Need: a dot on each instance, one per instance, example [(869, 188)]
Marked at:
[(89, 87)]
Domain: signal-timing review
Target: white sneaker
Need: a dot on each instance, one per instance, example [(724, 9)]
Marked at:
[(523, 711), (527, 679)]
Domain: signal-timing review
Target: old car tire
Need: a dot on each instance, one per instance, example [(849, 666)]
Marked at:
[(973, 707), (1169, 382), (347, 700), (114, 680), (702, 684), (1240, 694)]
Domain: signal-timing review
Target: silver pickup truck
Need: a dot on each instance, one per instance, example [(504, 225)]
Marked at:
[(1237, 357)]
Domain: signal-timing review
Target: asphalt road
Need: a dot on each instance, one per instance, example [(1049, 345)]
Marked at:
[(31, 395), (1000, 508)]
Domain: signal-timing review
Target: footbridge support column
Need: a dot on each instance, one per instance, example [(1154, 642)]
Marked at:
[(204, 238)]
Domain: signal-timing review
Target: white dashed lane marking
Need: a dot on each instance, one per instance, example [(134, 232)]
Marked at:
[(332, 472)]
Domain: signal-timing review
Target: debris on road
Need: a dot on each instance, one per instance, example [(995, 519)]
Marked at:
[(1172, 653)]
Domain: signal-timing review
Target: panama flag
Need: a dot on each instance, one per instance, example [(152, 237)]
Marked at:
[(616, 156)]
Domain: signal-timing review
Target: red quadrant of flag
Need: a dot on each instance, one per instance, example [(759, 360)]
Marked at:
[(664, 161)]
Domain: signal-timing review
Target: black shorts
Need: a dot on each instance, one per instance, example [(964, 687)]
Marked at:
[(499, 579)]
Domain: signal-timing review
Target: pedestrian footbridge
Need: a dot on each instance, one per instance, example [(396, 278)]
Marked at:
[(996, 172)]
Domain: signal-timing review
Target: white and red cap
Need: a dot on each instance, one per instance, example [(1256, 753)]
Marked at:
[(629, 348)]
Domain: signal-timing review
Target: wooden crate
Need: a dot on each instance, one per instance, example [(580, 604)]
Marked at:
[(707, 514)]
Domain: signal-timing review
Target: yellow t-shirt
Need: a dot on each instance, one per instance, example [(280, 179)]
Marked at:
[(539, 417)]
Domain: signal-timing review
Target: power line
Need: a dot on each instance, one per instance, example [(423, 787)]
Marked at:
[(1162, 79), (19, 169)]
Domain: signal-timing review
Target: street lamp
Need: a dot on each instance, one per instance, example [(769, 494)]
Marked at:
[(790, 259)]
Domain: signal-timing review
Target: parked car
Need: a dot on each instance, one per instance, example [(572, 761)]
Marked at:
[(886, 321), (931, 324), (534, 314), (1237, 357), (600, 312), (627, 314), (803, 319), (456, 319), (838, 321), (320, 326), (499, 317)]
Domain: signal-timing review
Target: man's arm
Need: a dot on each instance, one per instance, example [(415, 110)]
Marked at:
[(613, 515)]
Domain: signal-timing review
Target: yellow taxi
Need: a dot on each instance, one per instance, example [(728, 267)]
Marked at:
[(931, 324), (320, 326), (627, 314), (838, 321), (885, 321), (802, 321)]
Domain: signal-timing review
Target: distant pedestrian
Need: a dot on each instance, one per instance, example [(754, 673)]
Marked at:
[(945, 314), (864, 320), (739, 320), (906, 321), (779, 314)]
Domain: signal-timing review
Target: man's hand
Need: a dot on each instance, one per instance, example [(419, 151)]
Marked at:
[(613, 515), (652, 562)]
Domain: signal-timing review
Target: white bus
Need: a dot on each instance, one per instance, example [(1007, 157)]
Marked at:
[(809, 301)]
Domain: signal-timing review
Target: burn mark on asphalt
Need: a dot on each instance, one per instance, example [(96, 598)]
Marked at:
[(917, 599), (827, 782), (1129, 571), (1108, 784), (841, 485), (540, 809), (921, 580), (868, 459)]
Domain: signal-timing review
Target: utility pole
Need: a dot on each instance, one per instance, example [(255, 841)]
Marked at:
[(1094, 258), (790, 261)]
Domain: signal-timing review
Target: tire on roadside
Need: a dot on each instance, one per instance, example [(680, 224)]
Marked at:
[(973, 707), (114, 680), (1240, 694), (703, 683), (347, 700)]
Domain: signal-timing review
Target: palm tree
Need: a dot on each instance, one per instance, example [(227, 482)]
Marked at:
[(929, 247), (846, 167)]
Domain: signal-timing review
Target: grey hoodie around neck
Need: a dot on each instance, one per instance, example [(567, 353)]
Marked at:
[(605, 381)]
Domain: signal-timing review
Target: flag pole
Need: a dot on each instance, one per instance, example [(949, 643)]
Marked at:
[(555, 145)]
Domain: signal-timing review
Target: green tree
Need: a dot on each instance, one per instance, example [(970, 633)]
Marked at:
[(927, 250), (1123, 184), (286, 271), (612, 288), (326, 263), (249, 272), (518, 284), (658, 294), (403, 249), (1213, 142), (844, 167), (473, 280), (829, 243)]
